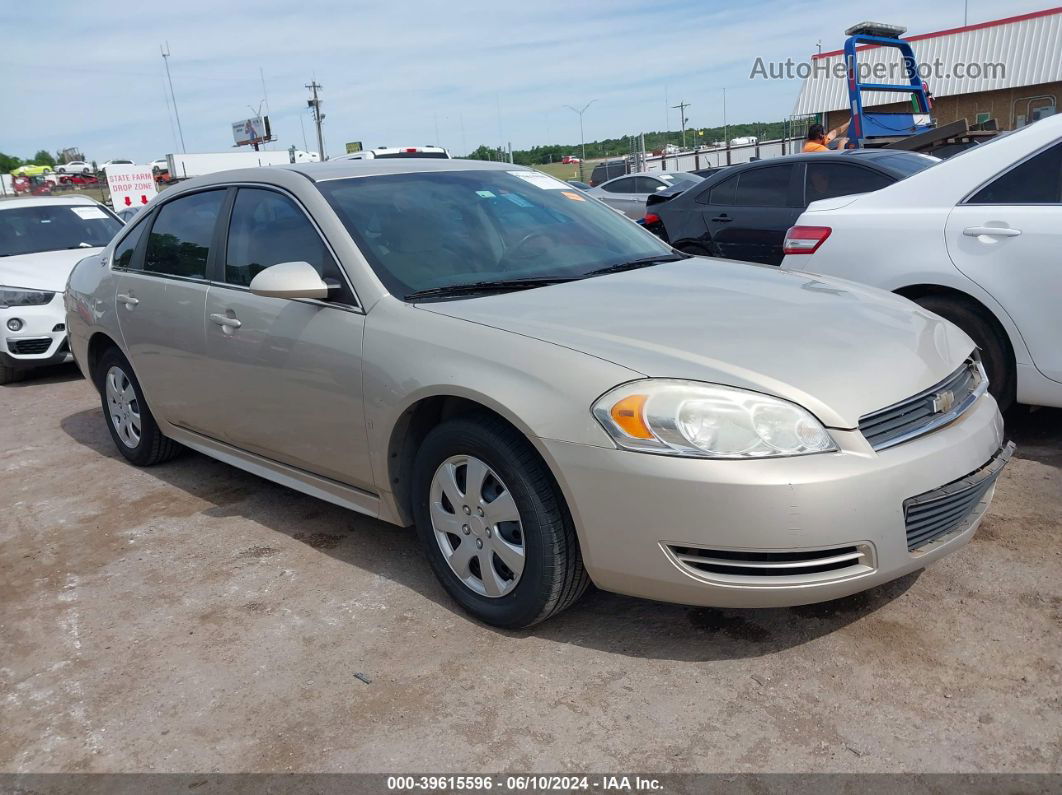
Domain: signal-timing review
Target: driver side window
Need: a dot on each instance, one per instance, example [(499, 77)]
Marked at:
[(267, 228)]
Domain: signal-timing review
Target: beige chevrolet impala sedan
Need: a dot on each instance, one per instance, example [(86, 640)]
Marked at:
[(549, 393)]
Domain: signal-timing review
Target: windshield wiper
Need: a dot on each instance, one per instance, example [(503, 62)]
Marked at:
[(501, 285), (634, 264)]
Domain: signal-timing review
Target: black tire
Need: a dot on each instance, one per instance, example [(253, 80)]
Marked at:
[(8, 375), (553, 576), (996, 353), (150, 446)]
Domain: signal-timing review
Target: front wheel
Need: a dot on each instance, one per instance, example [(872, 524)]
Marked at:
[(129, 420), (494, 525)]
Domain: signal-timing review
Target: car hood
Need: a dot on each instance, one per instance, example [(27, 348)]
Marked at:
[(839, 349), (47, 270)]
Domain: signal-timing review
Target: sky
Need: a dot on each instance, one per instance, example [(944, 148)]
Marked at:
[(457, 74)]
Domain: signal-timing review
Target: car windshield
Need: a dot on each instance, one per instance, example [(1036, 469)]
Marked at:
[(54, 227), (433, 230)]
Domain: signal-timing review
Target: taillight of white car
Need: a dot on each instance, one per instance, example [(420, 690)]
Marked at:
[(805, 239)]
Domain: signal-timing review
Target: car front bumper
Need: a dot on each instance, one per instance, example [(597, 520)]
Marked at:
[(42, 339), (643, 518)]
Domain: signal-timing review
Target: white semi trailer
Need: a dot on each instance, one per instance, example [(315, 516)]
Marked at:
[(196, 165)]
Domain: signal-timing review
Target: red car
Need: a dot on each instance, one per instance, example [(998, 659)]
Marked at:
[(35, 186), (570, 159)]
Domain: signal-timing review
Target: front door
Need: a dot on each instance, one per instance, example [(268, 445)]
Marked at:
[(160, 302), (1007, 238), (289, 372), (748, 215)]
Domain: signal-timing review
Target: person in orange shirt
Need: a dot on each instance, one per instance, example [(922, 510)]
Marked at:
[(817, 140)]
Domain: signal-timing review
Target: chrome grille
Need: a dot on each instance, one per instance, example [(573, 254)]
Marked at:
[(931, 516), (29, 347), (926, 411), (774, 568)]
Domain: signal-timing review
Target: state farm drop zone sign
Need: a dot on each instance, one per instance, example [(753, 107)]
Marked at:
[(130, 186)]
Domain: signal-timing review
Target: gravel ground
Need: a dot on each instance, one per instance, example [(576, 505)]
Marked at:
[(195, 618)]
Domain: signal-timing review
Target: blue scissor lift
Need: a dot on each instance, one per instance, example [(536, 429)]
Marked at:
[(875, 127)]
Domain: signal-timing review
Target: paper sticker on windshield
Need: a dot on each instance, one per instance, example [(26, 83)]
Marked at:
[(484, 194), (539, 180), (89, 213), (575, 197)]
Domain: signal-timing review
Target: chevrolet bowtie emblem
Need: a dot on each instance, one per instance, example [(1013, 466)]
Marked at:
[(943, 402)]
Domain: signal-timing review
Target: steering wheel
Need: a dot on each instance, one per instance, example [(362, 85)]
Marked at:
[(514, 252)]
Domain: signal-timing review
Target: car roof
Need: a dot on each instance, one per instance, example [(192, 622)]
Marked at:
[(341, 169), (34, 201)]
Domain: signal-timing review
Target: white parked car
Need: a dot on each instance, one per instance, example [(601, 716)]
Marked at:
[(103, 166), (629, 192), (74, 167), (41, 239), (391, 152), (976, 239)]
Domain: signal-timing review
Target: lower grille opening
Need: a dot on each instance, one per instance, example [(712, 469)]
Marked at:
[(775, 567), (29, 347)]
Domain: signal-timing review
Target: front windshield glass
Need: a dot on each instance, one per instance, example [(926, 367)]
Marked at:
[(441, 229), (54, 227)]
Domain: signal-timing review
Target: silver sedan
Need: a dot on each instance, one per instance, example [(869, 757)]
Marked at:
[(548, 392), (629, 193)]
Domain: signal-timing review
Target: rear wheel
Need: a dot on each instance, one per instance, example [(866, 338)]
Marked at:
[(493, 524), (996, 354), (129, 420)]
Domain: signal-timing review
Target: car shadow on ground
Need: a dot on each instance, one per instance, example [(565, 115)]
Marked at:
[(603, 621), (53, 374), (1037, 434)]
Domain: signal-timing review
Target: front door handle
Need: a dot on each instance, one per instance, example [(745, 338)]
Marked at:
[(128, 300), (990, 231), (722, 219), (226, 322)]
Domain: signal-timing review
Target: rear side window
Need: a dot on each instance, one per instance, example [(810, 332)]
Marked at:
[(826, 180), (764, 187), (268, 228), (123, 255), (621, 186), (723, 193), (647, 185), (180, 239), (1036, 181)]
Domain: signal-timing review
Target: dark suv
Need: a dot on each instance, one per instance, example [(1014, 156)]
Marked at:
[(607, 169), (744, 211)]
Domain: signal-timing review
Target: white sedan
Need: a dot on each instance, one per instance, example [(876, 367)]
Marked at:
[(74, 167), (629, 192), (976, 239), (41, 239)]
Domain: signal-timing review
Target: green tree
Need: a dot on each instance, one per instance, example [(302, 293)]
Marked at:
[(9, 163), (44, 158)]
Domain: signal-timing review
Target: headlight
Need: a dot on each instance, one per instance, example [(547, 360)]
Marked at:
[(687, 418), (13, 296)]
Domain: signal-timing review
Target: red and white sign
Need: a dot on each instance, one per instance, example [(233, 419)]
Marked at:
[(130, 186)]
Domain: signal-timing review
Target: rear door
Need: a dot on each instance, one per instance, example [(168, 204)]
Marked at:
[(289, 372), (748, 214), (160, 303), (1007, 237), (623, 194)]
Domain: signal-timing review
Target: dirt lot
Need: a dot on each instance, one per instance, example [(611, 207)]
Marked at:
[(195, 618)]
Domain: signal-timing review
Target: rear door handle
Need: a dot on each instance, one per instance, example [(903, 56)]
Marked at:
[(991, 231), (722, 219), (226, 321), (128, 300)]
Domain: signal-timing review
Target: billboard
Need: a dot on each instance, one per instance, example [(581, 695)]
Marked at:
[(353, 146), (251, 131)]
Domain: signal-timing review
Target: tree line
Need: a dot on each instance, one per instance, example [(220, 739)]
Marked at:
[(617, 147)]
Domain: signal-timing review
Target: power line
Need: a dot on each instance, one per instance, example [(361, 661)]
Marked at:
[(166, 60), (682, 114)]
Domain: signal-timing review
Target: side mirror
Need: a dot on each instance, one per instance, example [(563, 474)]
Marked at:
[(289, 280)]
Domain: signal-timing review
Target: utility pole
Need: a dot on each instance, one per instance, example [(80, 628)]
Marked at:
[(582, 138), (166, 60), (318, 117), (682, 116)]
